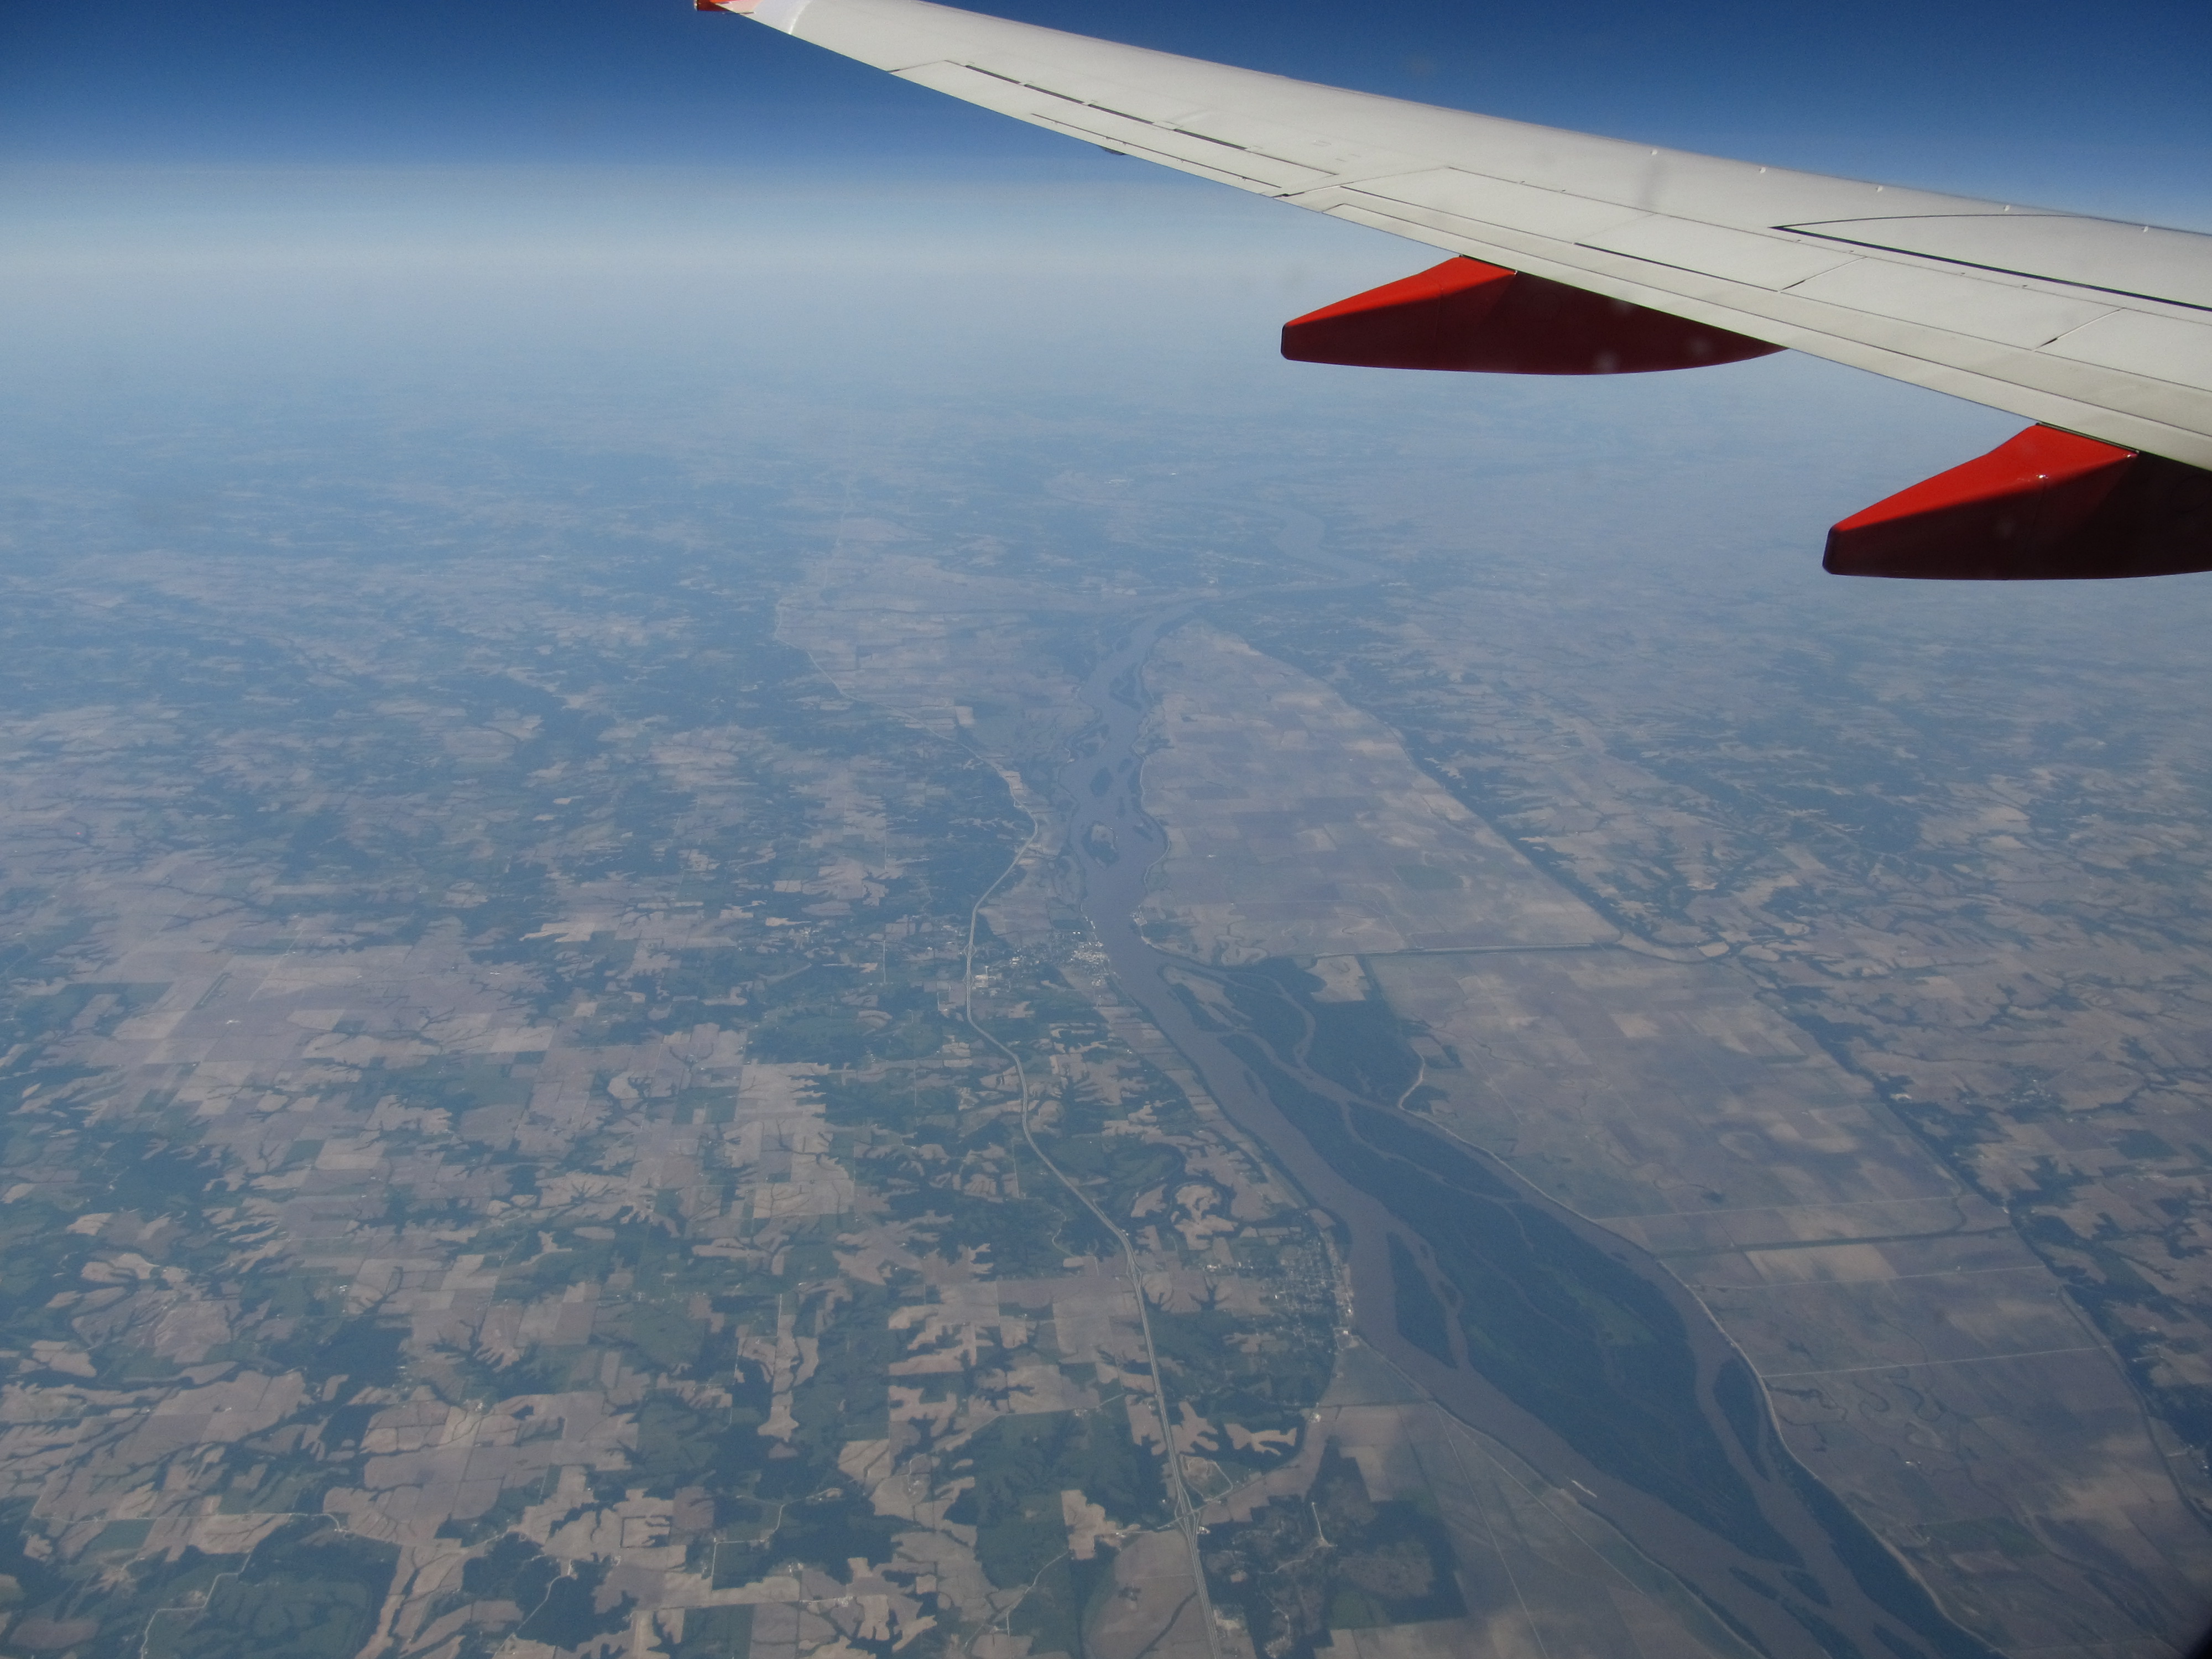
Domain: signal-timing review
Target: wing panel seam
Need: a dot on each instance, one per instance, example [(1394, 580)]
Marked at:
[(1997, 270), (1130, 147), (1820, 337), (1157, 126)]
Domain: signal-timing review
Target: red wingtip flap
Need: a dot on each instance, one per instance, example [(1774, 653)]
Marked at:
[(1464, 314), (2044, 505), (706, 5), (1417, 322)]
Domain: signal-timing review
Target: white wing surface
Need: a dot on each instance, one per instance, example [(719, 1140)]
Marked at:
[(2099, 327), (2094, 327)]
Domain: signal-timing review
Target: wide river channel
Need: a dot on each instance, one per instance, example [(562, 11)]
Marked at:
[(1850, 1595)]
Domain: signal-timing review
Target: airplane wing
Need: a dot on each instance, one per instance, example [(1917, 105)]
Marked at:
[(1578, 254)]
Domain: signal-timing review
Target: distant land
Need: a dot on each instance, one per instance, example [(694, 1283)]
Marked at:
[(991, 1034)]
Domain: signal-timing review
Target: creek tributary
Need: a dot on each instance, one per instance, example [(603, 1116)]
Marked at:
[(1784, 1564)]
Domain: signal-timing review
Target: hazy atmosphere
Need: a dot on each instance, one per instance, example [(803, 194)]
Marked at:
[(756, 902)]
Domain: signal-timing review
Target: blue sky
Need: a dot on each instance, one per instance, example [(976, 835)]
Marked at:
[(2107, 107)]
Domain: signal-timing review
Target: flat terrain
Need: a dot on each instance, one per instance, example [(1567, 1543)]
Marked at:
[(1921, 1358), (498, 1160), (1297, 826)]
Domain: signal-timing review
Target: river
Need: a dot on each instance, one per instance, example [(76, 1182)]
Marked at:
[(1845, 1595)]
